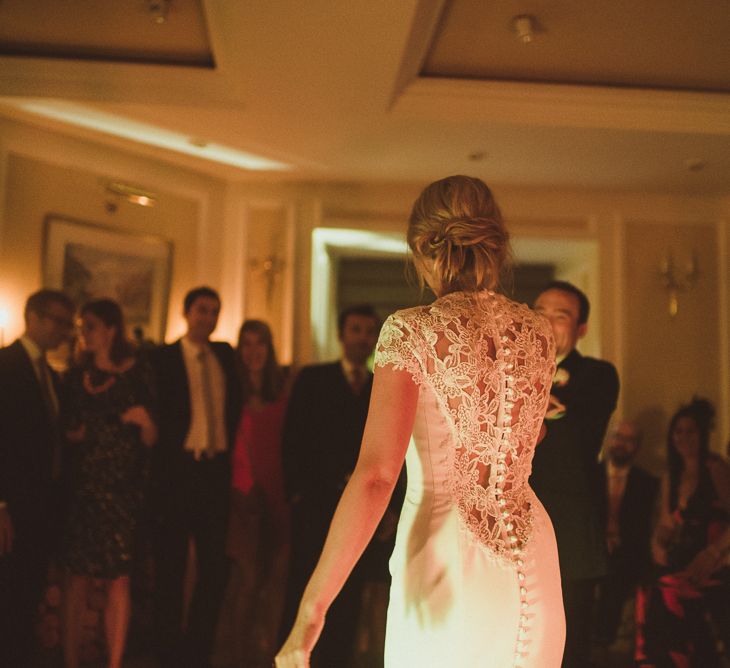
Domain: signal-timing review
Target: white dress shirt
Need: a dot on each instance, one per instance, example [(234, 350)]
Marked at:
[(197, 438)]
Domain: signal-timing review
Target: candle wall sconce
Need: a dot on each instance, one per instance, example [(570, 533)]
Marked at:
[(676, 278), (269, 269)]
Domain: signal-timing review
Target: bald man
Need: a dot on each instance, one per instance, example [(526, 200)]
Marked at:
[(630, 498)]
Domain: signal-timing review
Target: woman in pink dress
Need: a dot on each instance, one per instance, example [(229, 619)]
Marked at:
[(258, 540)]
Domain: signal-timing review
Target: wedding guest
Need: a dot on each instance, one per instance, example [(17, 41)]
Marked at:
[(689, 546), (107, 415), (258, 537), (322, 433), (30, 451), (630, 496), (199, 407), (565, 471)]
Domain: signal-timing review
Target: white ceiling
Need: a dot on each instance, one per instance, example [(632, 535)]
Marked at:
[(336, 92)]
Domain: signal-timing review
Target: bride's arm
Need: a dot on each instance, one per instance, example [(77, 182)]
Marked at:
[(364, 500)]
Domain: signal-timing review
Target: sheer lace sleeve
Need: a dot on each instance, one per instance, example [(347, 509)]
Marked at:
[(397, 345)]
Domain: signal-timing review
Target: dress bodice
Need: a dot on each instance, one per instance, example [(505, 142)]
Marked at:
[(484, 366)]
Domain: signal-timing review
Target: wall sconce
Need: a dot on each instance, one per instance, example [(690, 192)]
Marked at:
[(676, 279), (132, 194), (269, 269)]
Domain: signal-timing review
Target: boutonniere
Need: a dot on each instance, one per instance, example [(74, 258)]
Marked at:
[(561, 377)]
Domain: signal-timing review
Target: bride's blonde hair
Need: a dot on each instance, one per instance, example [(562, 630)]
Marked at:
[(456, 223)]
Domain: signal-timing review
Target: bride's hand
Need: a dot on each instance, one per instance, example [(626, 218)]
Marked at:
[(300, 643)]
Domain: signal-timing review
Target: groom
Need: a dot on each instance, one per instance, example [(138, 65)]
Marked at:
[(565, 470)]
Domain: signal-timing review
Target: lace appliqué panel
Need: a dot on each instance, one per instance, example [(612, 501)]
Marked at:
[(490, 362)]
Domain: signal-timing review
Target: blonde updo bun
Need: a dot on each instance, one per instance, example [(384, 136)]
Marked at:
[(456, 224)]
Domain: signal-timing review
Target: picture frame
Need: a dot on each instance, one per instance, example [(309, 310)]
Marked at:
[(87, 261)]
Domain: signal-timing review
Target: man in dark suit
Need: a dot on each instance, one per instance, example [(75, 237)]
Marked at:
[(322, 433), (29, 469), (629, 495), (565, 469), (199, 405)]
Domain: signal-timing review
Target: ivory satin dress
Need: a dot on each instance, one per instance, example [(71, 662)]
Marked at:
[(475, 575)]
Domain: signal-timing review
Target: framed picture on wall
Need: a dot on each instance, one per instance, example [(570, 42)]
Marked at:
[(90, 261)]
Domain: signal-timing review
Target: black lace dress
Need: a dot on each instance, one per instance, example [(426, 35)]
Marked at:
[(109, 469)]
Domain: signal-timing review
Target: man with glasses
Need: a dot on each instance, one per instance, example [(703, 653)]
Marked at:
[(29, 468)]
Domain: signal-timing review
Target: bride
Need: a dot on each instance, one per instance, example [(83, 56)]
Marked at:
[(460, 391)]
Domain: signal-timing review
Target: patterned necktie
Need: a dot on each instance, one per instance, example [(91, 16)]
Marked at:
[(357, 380), (209, 408)]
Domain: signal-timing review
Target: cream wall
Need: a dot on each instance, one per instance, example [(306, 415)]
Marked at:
[(220, 229), (662, 361), (44, 172), (670, 358)]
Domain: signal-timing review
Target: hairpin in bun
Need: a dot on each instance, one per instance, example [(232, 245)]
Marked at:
[(436, 242)]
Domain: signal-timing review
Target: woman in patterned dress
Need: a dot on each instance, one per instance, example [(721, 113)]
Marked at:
[(460, 391), (107, 413)]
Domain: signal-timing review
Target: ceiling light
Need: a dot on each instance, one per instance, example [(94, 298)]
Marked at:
[(158, 10), (144, 133), (132, 194), (525, 27)]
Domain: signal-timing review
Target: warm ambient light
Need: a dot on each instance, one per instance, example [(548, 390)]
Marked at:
[(132, 193), (4, 322), (327, 245), (119, 126)]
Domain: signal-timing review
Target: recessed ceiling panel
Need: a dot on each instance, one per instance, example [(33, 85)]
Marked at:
[(170, 32), (673, 44)]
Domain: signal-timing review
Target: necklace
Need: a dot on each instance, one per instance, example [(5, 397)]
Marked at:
[(97, 389)]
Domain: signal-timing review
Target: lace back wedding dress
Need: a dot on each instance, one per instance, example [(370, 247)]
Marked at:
[(475, 569)]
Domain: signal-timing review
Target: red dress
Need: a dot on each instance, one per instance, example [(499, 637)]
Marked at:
[(258, 478)]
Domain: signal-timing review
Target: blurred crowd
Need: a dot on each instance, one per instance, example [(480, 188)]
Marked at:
[(184, 491)]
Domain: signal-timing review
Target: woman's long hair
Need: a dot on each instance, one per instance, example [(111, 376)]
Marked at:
[(702, 413), (272, 381), (110, 313)]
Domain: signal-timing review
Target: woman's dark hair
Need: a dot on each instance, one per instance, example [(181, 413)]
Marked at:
[(110, 313), (272, 381), (702, 412)]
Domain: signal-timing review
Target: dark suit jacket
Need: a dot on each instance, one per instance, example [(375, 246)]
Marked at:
[(27, 435), (565, 469), (174, 403), (632, 558), (322, 434)]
